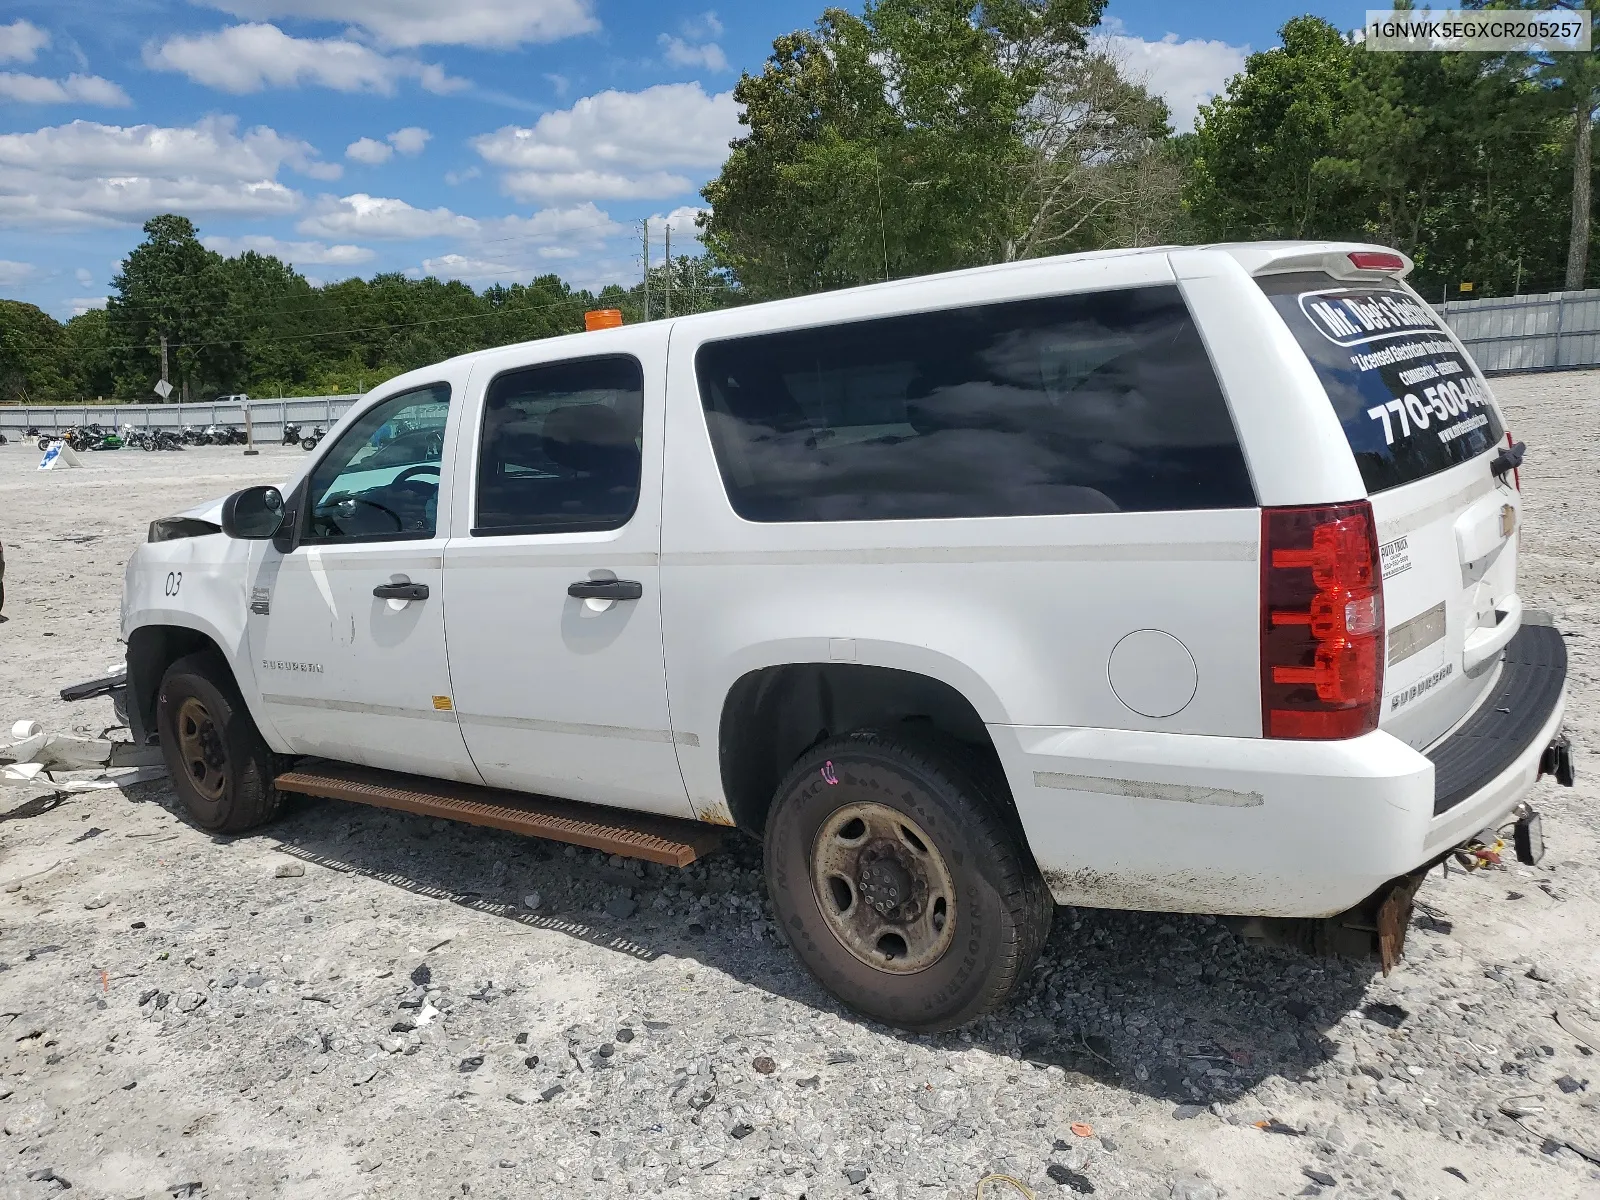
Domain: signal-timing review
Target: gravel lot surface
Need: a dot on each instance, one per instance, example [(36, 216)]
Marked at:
[(361, 1003)]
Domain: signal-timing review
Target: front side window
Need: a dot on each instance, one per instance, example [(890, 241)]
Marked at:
[(1411, 403), (1103, 402), (560, 447), (380, 482)]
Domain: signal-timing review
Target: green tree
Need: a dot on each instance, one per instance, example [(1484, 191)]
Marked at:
[(1258, 153), (88, 359), (1570, 81), (1454, 158), (173, 287), (31, 357), (919, 136)]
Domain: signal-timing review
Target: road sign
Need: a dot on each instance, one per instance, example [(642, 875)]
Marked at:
[(163, 389)]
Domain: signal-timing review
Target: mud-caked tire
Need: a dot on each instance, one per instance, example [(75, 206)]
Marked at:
[(901, 880), (221, 768)]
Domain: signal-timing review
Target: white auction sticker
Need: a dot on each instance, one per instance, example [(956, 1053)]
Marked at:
[(1395, 557)]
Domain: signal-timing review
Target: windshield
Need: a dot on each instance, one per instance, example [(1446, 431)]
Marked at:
[(1411, 403)]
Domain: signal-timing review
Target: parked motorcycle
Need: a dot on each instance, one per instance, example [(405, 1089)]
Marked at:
[(317, 434), (291, 434)]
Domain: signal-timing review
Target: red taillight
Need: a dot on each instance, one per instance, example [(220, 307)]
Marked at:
[(1321, 622), (1376, 260), (1516, 472)]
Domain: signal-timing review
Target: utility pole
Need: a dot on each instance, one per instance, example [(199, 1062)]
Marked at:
[(164, 378), (669, 268), (647, 268)]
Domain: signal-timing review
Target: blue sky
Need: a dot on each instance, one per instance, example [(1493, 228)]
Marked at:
[(485, 140)]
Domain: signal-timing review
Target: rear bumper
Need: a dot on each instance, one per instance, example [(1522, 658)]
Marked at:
[(1258, 827)]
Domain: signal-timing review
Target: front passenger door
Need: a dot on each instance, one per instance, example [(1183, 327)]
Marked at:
[(555, 600), (348, 627)]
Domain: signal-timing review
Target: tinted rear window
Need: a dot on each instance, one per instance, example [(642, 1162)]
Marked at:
[(1411, 403), (1093, 403)]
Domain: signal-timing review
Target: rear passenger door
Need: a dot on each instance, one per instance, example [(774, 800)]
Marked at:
[(555, 623)]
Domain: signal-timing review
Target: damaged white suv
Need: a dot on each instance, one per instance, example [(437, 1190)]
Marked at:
[(1172, 579)]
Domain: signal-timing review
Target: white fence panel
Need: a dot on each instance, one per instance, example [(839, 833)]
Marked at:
[(1553, 331), (267, 416)]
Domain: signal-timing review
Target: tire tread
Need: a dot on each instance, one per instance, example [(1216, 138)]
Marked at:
[(996, 832)]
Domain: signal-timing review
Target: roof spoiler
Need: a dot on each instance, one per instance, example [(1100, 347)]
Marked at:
[(1342, 260)]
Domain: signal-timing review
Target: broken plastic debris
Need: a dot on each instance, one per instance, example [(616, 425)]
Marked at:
[(1579, 1030), (23, 730)]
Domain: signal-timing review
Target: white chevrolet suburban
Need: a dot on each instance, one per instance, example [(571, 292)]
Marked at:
[(1176, 579)]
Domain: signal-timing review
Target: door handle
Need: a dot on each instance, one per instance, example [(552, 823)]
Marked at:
[(401, 591), (606, 589)]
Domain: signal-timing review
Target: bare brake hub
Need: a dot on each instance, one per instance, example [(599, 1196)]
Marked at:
[(211, 747), (887, 884)]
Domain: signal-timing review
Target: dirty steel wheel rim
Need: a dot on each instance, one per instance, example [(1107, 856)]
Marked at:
[(883, 888), (200, 746)]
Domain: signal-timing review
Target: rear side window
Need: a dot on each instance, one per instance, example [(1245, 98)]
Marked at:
[(1092, 403), (559, 449), (1411, 403)]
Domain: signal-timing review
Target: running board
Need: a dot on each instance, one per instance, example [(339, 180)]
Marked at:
[(657, 839)]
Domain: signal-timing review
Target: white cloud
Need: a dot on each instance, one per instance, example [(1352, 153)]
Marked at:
[(705, 25), (696, 47), (14, 273), (409, 140), (84, 89), (616, 144), (1185, 74), (682, 220), (361, 215), (455, 178), (83, 304), (21, 41), (248, 58), (370, 151), (88, 173), (506, 249), (84, 276), (298, 253), (434, 22), (680, 53)]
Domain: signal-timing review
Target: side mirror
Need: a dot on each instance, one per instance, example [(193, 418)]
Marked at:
[(254, 514)]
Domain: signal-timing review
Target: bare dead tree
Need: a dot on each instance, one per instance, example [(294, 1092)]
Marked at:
[(1097, 172)]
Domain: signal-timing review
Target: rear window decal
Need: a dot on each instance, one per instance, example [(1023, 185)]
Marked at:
[(1354, 316), (1408, 398), (1441, 403)]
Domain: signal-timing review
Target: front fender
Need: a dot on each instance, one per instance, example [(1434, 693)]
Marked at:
[(199, 586)]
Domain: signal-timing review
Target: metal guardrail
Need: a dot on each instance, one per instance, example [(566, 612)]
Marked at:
[(266, 416), (1552, 331)]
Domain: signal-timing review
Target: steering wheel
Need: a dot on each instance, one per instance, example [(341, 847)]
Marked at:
[(399, 522), (411, 473)]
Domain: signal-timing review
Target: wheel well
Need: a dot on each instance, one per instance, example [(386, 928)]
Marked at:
[(151, 650), (773, 716)]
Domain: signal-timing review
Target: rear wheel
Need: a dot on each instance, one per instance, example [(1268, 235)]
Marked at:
[(900, 882), (220, 767)]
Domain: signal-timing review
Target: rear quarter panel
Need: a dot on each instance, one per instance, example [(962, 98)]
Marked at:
[(1019, 614)]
